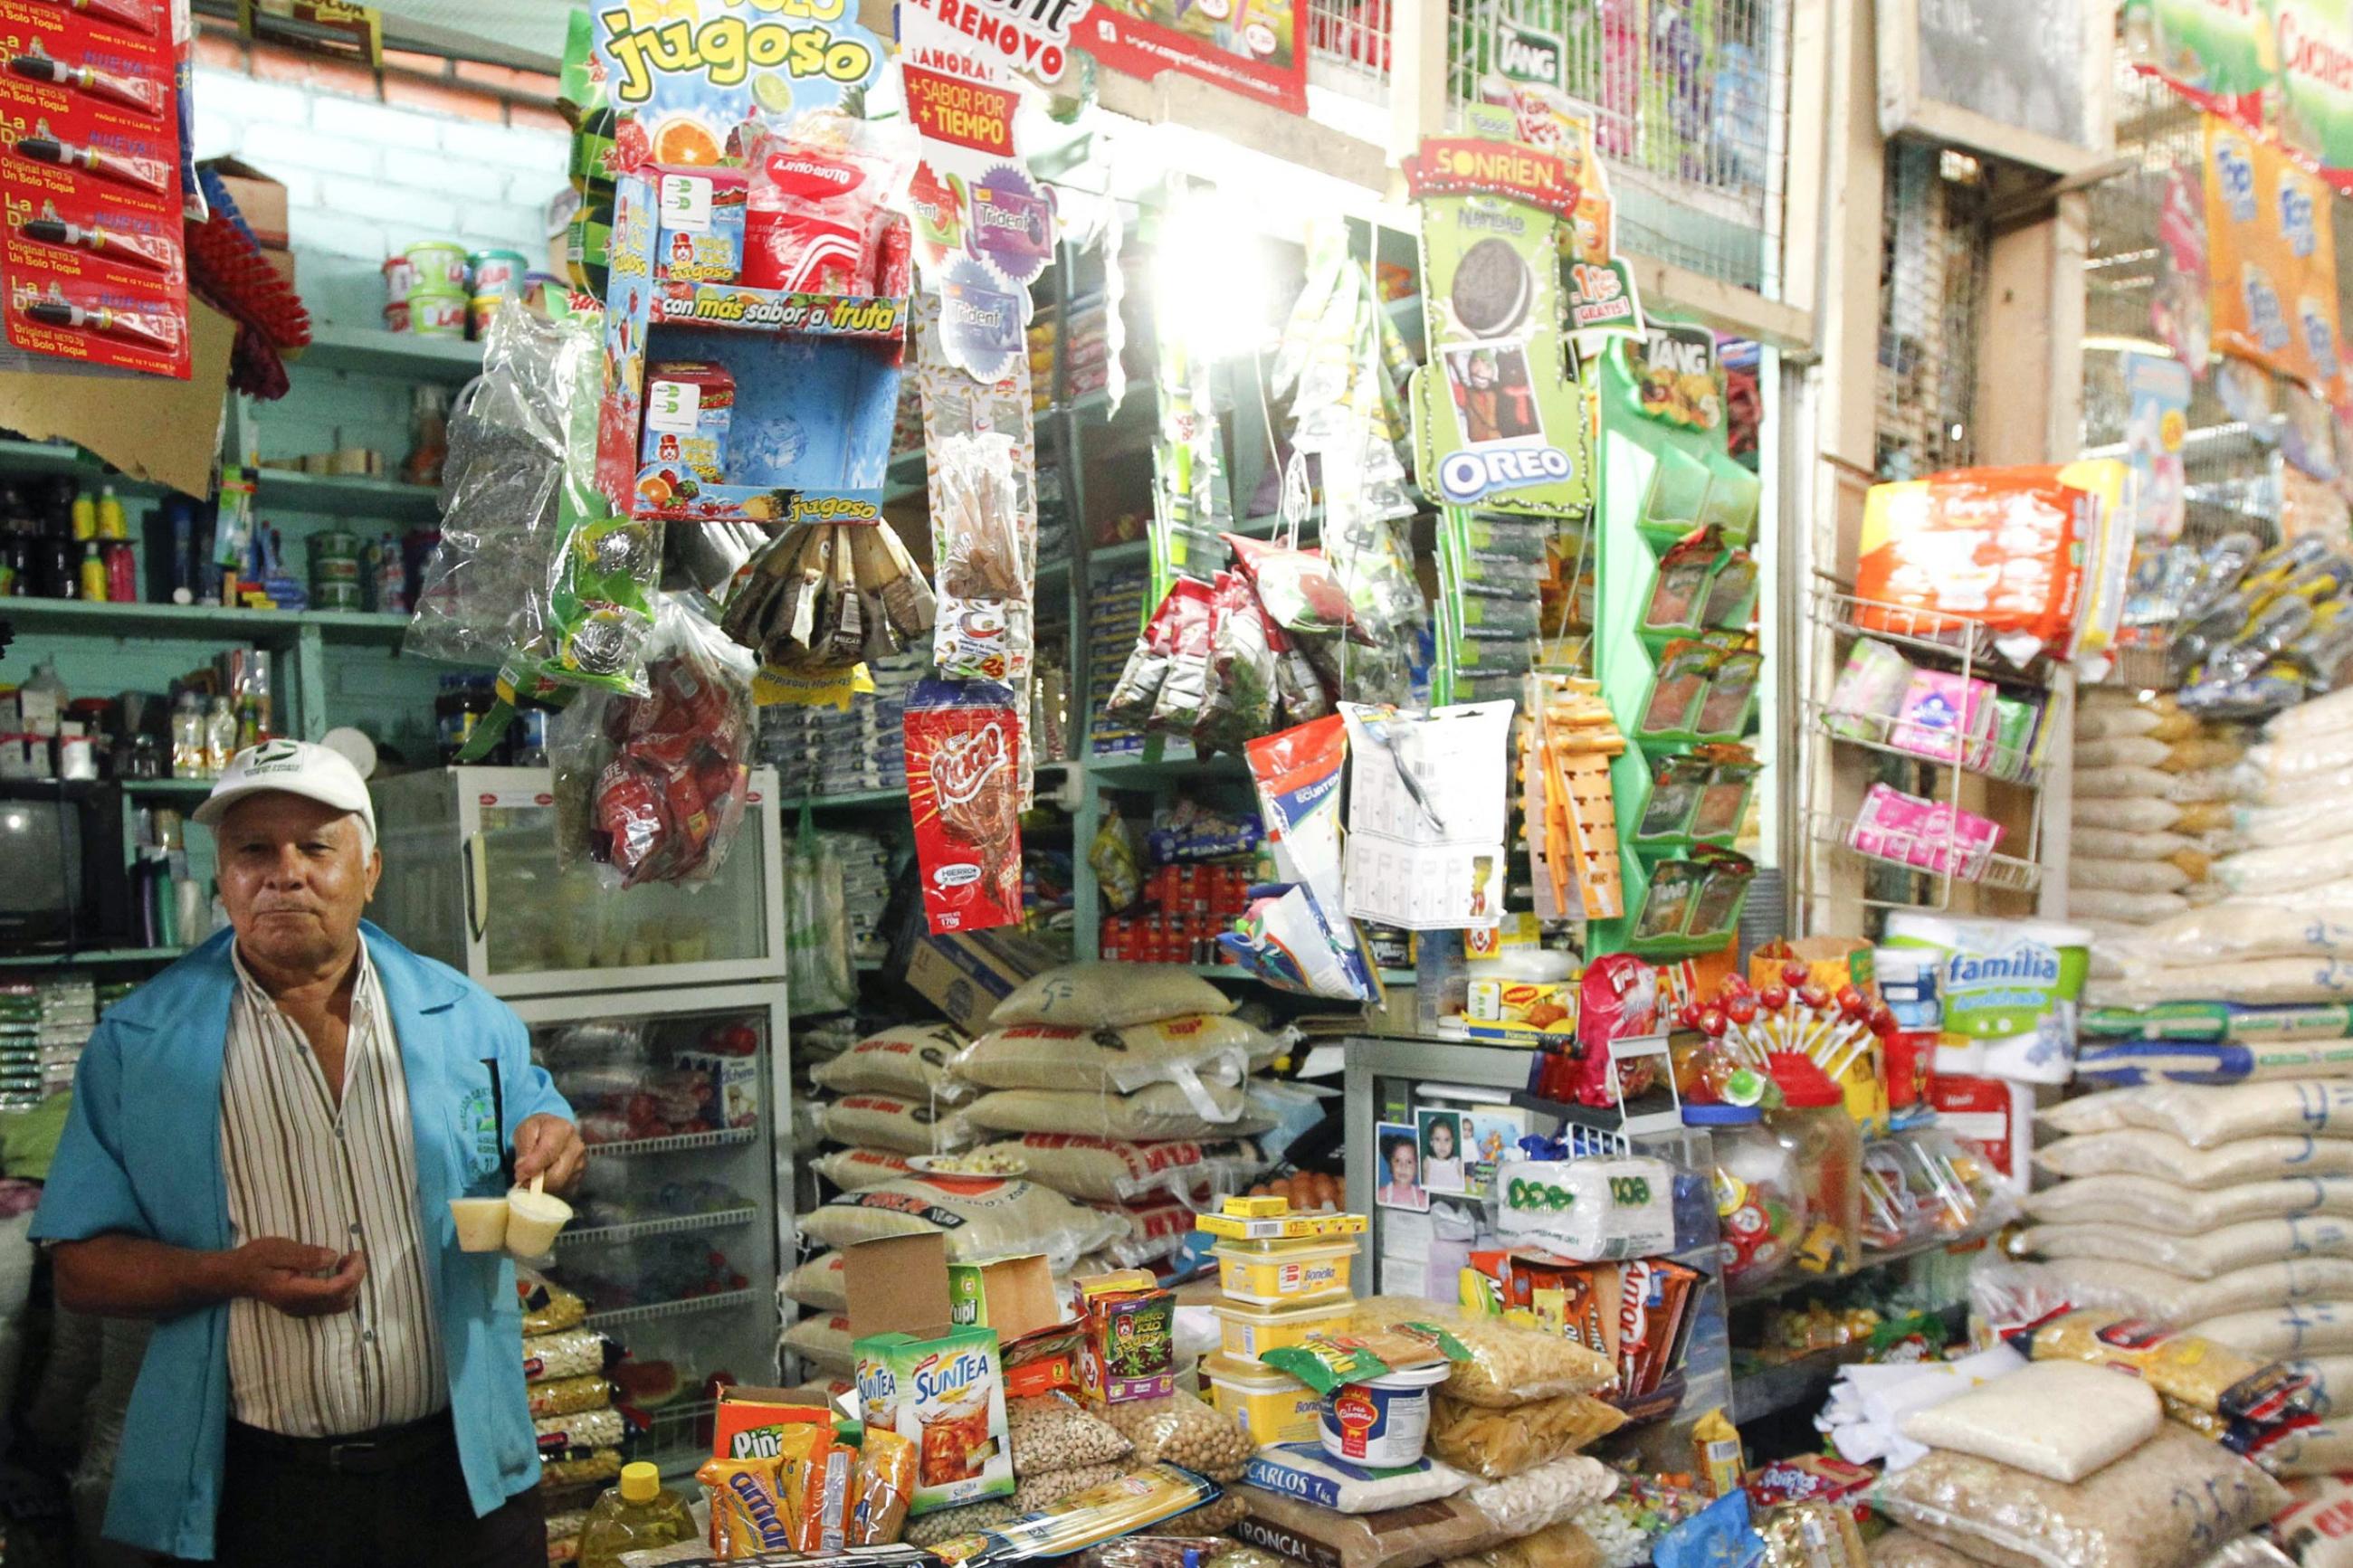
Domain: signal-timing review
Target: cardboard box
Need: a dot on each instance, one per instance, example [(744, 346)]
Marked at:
[(1015, 1295), (919, 1375), (966, 976), (261, 200), (748, 1421)]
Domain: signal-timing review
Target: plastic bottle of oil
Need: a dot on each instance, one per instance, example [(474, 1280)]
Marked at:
[(639, 1513)]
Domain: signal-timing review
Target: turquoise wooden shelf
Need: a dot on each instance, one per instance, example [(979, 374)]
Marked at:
[(403, 355), (208, 623), (345, 495)]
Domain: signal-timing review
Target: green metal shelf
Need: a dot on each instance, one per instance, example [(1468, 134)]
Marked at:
[(167, 787), (371, 351), (90, 617)]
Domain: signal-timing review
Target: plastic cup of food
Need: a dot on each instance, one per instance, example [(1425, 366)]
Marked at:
[(482, 1223), (533, 1219)]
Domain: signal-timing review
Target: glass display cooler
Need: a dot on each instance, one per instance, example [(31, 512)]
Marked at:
[(675, 1242), (660, 1011), (471, 877)]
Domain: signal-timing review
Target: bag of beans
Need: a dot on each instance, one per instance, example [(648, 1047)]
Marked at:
[(901, 1125), (823, 1339), (851, 1169), (819, 1283), (1159, 1110), (1113, 1170), (981, 1216), (1184, 1431), (911, 1061), (1093, 996), (1054, 1432), (1197, 1048)]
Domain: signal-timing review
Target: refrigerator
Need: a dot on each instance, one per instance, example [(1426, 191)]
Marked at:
[(661, 1014)]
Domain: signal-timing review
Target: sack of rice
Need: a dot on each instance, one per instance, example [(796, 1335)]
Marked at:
[(911, 1061), (1160, 1110), (981, 1216), (1093, 996)]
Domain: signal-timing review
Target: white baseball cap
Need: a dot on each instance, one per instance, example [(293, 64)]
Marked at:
[(295, 767)]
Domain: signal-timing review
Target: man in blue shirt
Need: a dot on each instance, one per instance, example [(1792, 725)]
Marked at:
[(262, 1149)]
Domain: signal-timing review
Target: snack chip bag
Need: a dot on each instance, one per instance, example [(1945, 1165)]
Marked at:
[(748, 1511), (962, 760)]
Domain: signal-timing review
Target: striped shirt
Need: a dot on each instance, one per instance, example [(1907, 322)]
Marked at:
[(343, 1178)]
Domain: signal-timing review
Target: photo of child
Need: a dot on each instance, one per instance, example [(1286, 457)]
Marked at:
[(1400, 1151), (1441, 1150)]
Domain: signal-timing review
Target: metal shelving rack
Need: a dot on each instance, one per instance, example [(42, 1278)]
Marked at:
[(1944, 641)]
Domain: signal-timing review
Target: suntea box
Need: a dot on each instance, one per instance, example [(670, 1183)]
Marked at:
[(946, 1393), (939, 1387), (701, 216), (689, 405)]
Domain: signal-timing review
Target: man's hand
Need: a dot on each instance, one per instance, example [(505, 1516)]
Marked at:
[(300, 1282), (549, 1146)]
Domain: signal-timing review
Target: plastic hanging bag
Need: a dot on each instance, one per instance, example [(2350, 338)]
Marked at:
[(817, 924), (484, 589), (652, 788)]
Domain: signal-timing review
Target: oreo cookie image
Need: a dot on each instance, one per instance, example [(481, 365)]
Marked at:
[(1493, 289)]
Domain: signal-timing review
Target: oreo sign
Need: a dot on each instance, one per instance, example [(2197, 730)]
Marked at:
[(1466, 477)]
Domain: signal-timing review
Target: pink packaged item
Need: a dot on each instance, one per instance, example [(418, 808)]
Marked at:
[(1935, 836), (818, 219), (1943, 716)]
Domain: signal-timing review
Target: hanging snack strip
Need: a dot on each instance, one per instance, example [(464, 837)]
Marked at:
[(820, 599), (988, 567), (981, 445)]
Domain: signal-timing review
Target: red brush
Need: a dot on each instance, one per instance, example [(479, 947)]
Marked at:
[(228, 271)]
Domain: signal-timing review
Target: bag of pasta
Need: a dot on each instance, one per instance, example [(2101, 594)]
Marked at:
[(1509, 1366), (1562, 1546), (1499, 1443)]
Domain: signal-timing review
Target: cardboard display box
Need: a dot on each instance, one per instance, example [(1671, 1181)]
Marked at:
[(920, 1374)]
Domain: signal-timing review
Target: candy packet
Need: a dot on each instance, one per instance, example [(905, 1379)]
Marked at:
[(1238, 700), (986, 576), (1184, 688)]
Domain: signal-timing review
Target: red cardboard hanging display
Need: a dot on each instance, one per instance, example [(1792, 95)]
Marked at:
[(89, 168)]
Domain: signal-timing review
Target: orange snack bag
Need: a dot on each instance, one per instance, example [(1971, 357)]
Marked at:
[(748, 1512)]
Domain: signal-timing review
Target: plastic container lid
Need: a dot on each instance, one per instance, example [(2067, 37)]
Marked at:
[(641, 1482), (1266, 1314), (1411, 1377), (1249, 1376), (1804, 1086), (1721, 1115)]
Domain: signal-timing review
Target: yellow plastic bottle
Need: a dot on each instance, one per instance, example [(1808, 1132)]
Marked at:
[(638, 1513), (112, 522)]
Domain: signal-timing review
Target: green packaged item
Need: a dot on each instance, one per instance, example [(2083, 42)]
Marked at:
[(1324, 1360), (2220, 1021), (2013, 737)]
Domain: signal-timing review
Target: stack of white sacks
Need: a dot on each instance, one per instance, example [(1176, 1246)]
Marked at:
[(1102, 1105), (2151, 810)]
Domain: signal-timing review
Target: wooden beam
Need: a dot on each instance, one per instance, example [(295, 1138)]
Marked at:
[(1174, 99), (1726, 307)]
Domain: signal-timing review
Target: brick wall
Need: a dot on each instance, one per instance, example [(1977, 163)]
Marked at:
[(373, 162)]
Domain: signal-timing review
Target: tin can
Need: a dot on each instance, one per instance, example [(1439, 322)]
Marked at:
[(433, 314), (496, 271), (399, 280), (437, 265), (395, 317)]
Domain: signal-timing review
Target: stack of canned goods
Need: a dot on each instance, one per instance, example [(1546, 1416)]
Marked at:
[(335, 570), (437, 288)]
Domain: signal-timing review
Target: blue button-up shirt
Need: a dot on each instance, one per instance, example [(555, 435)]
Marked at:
[(142, 1156)]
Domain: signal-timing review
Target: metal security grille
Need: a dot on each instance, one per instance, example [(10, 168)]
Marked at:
[(1689, 106), (1935, 241), (2230, 477)]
